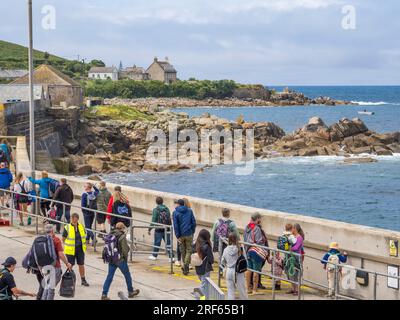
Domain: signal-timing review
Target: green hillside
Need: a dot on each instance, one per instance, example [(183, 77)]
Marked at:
[(14, 56)]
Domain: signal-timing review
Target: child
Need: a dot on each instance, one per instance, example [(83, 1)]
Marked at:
[(277, 266), (287, 239), (330, 260)]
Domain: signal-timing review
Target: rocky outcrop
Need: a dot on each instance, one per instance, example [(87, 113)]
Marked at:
[(345, 137)]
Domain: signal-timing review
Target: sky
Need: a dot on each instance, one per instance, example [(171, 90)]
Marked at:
[(271, 42)]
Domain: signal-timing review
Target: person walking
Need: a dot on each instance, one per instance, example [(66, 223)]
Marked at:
[(8, 288), (74, 238), (222, 228), (44, 191), (22, 187), (184, 227), (5, 152), (296, 261), (48, 291), (121, 210), (103, 198), (64, 194), (161, 215), (206, 257), (257, 256), (331, 261), (234, 280), (111, 202), (6, 178), (89, 201), (121, 264)]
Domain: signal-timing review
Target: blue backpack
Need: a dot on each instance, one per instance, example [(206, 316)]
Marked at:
[(53, 185)]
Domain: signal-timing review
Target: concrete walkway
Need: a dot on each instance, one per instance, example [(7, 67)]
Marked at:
[(151, 277)]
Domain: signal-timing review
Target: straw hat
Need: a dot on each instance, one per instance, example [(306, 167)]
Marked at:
[(334, 245)]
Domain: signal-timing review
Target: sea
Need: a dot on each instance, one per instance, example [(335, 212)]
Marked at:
[(325, 187)]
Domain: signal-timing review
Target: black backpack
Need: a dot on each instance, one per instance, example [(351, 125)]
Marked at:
[(241, 264), (164, 217), (42, 253), (67, 287), (3, 156)]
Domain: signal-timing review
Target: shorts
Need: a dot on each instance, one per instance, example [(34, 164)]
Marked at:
[(79, 257), (254, 261), (101, 218)]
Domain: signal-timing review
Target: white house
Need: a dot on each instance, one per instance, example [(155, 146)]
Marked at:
[(103, 73)]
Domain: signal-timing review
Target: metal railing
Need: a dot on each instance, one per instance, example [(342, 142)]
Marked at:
[(134, 224), (298, 270), (212, 291)]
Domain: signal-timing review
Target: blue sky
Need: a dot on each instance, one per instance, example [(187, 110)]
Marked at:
[(273, 42)]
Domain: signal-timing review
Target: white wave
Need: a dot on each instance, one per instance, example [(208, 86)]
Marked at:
[(369, 103)]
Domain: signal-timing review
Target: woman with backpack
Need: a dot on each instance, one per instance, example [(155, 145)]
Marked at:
[(44, 191), (89, 201), (121, 210), (22, 187), (295, 262), (203, 259), (235, 278)]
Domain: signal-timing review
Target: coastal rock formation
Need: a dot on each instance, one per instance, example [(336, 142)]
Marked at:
[(343, 138)]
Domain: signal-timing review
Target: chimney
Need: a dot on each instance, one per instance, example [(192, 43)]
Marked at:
[(166, 59), (155, 59)]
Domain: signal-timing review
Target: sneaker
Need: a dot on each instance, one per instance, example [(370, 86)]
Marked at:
[(153, 258), (133, 294), (262, 287), (171, 260), (84, 283), (21, 224), (103, 297), (177, 263), (185, 270)]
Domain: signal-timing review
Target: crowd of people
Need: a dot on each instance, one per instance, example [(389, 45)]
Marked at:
[(241, 262)]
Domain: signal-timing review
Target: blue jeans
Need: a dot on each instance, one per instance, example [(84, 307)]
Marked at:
[(203, 282), (158, 237), (123, 266), (60, 214), (88, 219)]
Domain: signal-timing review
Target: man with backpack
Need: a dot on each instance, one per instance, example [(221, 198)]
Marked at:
[(331, 260), (222, 228), (74, 237), (65, 194), (8, 288), (89, 201), (115, 253), (44, 260), (5, 182), (161, 215)]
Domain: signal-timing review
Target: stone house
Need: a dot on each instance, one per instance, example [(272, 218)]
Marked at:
[(162, 71), (134, 73), (103, 73), (58, 87)]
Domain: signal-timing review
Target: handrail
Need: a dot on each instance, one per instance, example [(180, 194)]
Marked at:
[(168, 229)]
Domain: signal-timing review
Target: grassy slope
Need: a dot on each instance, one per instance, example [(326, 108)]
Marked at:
[(118, 112), (14, 56)]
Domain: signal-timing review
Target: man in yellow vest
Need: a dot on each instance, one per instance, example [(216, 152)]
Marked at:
[(74, 237)]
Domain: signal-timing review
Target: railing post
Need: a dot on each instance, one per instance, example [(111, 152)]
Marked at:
[(300, 276), (95, 232), (375, 284), (12, 209), (219, 261), (36, 211), (171, 235), (273, 275), (131, 242), (335, 286)]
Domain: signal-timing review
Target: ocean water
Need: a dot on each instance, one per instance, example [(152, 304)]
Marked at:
[(367, 194)]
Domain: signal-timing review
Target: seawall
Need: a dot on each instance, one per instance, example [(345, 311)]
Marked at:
[(367, 247)]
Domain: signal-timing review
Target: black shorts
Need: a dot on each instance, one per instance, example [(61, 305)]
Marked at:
[(101, 218), (79, 257)]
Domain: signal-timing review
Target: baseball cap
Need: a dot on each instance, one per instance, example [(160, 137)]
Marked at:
[(10, 261)]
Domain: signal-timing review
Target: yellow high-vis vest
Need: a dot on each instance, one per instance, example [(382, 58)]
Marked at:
[(69, 244)]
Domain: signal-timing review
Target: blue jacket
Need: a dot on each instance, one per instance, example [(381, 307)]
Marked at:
[(5, 178), (184, 222), (44, 186), (342, 258), (84, 200)]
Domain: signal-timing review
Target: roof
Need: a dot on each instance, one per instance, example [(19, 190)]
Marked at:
[(166, 66), (19, 92), (103, 70), (48, 75), (134, 69), (9, 74)]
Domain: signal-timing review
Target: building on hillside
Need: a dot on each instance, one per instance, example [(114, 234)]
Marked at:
[(103, 73), (162, 71), (58, 87), (10, 93), (11, 75), (134, 73)]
